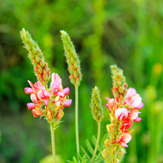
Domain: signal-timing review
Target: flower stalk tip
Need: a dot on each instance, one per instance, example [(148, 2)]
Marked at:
[(72, 59), (96, 105), (35, 54)]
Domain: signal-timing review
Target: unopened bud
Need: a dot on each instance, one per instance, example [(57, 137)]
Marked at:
[(96, 106), (72, 59), (49, 115)]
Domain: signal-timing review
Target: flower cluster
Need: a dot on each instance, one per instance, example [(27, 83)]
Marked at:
[(124, 109), (126, 114), (48, 102)]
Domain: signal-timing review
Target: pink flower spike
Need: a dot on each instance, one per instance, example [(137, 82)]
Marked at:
[(121, 113), (66, 91), (31, 105), (138, 119), (67, 103), (140, 106), (28, 90)]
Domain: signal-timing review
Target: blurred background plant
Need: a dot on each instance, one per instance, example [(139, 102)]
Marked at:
[(127, 33)]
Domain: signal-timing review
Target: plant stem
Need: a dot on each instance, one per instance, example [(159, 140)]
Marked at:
[(76, 120), (98, 138), (53, 142)]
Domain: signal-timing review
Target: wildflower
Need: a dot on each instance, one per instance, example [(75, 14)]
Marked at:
[(124, 108), (123, 139), (111, 104), (132, 99), (121, 113), (55, 97)]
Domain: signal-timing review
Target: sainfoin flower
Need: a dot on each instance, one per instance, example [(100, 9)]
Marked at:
[(48, 102), (124, 109), (126, 113), (123, 139)]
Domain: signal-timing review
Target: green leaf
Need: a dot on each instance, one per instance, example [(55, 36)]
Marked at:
[(89, 146)]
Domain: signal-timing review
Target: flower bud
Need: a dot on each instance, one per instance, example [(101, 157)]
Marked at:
[(37, 113), (49, 115), (72, 59), (59, 115), (96, 106)]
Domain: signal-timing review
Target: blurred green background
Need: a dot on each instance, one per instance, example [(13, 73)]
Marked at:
[(104, 32)]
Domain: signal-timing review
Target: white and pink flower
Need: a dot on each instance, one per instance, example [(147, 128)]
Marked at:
[(121, 113), (124, 138)]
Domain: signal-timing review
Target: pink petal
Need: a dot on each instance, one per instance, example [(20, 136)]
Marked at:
[(61, 94), (66, 91), (47, 94), (127, 137), (40, 94), (67, 103), (33, 97), (138, 119), (135, 101), (31, 106), (38, 85), (57, 103), (121, 113), (55, 77), (130, 92), (133, 115), (30, 83), (123, 144), (28, 90), (140, 105)]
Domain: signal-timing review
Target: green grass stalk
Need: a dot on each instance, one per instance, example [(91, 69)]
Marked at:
[(98, 138), (53, 143), (76, 120)]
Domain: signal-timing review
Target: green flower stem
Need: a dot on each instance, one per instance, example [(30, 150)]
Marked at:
[(53, 142), (98, 138), (76, 120)]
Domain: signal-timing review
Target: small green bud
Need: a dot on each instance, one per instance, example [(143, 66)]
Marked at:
[(96, 106)]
